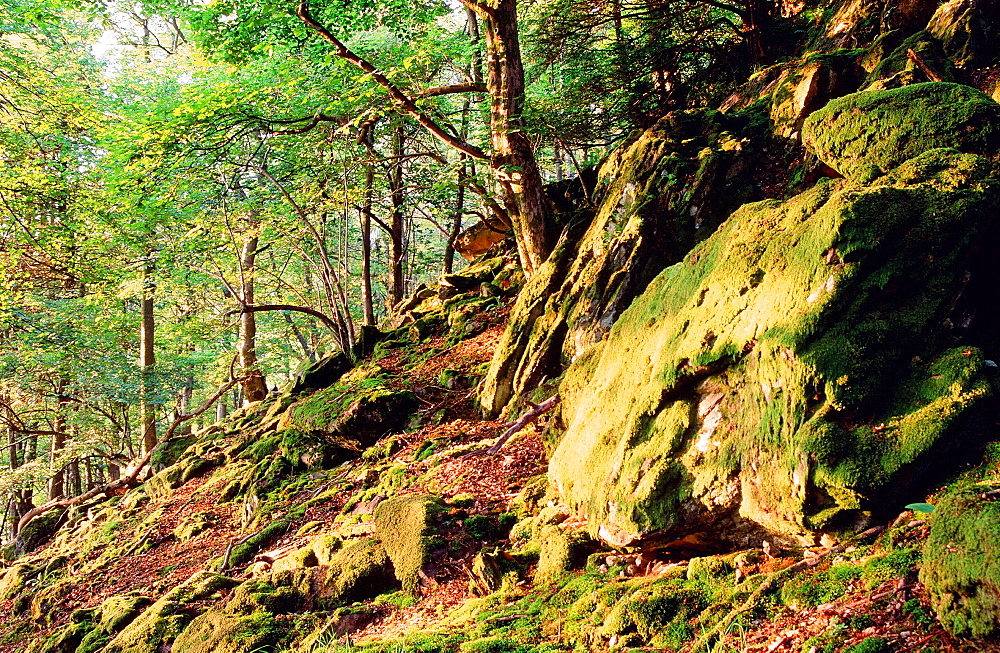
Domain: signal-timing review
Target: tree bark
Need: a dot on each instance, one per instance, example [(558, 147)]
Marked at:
[(254, 385), (513, 156), (367, 299), (57, 483), (147, 360)]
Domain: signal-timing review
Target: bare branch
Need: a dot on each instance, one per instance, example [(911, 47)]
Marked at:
[(330, 324), (400, 100)]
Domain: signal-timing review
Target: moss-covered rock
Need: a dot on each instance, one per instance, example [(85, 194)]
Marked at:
[(163, 483), (657, 613), (895, 67), (66, 639), (247, 622), (352, 414), (15, 579), (38, 531), (322, 374), (655, 199), (167, 453), (404, 526), (159, 624), (243, 553), (90, 630), (885, 128), (559, 550), (961, 563), (966, 32), (795, 371), (360, 570), (808, 85)]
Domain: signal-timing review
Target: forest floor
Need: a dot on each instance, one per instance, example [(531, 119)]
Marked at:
[(895, 612)]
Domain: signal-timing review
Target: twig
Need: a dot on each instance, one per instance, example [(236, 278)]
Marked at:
[(915, 58), (537, 410), (229, 549)]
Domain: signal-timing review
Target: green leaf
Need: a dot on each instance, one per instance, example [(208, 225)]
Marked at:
[(920, 507)]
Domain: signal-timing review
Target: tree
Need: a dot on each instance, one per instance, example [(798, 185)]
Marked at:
[(513, 159)]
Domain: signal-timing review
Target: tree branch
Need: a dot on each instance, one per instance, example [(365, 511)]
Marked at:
[(315, 120), (286, 307), (469, 87), (400, 100), (537, 410)]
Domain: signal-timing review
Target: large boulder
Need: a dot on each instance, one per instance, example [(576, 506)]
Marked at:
[(885, 128), (797, 372)]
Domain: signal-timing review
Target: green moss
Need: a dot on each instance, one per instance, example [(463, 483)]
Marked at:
[(807, 338), (961, 563), (159, 624), (808, 591), (494, 645), (896, 564), (658, 614), (243, 553), (886, 128), (404, 526)]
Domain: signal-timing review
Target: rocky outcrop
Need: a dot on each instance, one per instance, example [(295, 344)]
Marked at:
[(797, 372), (656, 197)]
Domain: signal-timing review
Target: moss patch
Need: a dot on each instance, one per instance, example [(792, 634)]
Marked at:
[(886, 128)]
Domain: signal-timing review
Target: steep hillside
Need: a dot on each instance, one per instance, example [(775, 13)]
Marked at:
[(748, 404)]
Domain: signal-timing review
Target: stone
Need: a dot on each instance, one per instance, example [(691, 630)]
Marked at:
[(961, 566), (477, 240), (404, 526), (882, 129), (720, 400)]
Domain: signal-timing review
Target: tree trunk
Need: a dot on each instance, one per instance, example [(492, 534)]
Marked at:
[(397, 250), (254, 385), (57, 486), (513, 157), (367, 301), (456, 229), (147, 361)]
